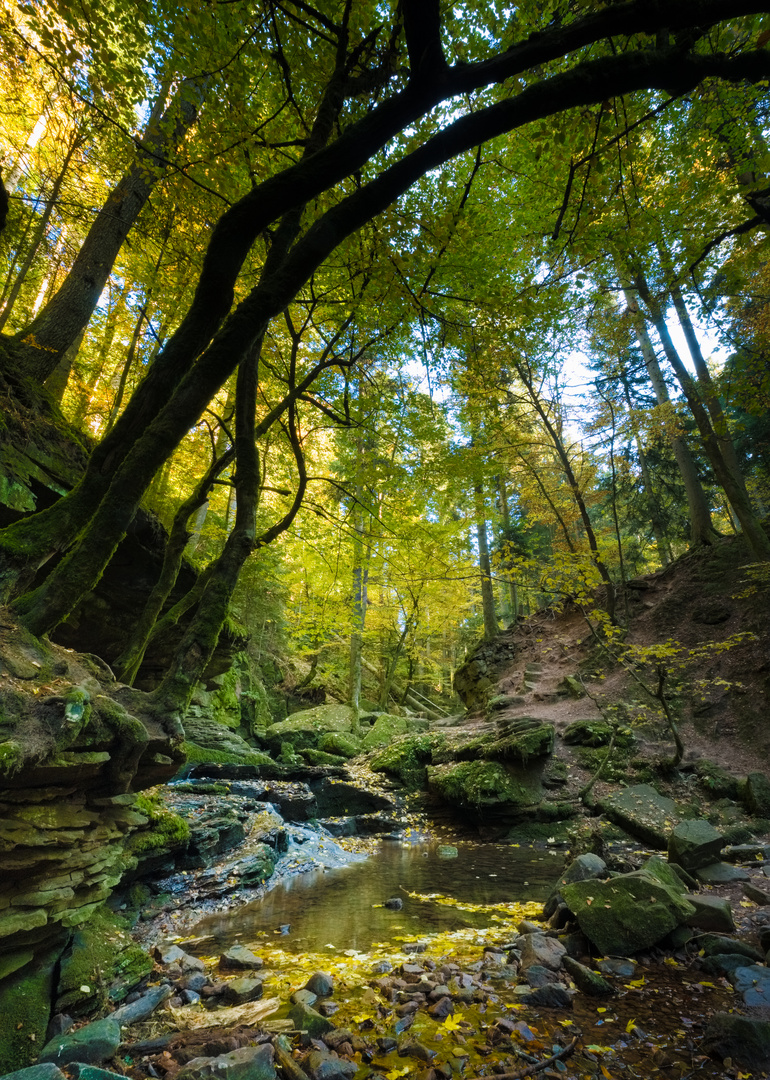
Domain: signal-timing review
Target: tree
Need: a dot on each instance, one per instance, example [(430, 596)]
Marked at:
[(375, 106)]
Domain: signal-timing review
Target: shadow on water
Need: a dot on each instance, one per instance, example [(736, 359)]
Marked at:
[(339, 907)]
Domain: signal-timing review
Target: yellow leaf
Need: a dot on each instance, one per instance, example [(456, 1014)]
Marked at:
[(712, 985), (606, 1073), (601, 1009), (637, 982), (671, 961), (630, 1026), (451, 1024)]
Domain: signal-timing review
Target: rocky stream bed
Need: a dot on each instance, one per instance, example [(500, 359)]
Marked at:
[(636, 965)]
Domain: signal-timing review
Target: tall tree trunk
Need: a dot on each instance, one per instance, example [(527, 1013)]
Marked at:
[(40, 346), (701, 529), (651, 498), (732, 484), (491, 628), (511, 590)]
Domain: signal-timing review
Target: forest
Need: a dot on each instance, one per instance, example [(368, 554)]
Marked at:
[(405, 319), (384, 550)]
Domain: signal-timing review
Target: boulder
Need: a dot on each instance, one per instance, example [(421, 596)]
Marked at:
[(715, 944), (304, 730), (694, 844), (746, 1041), (595, 733), (643, 812), (384, 730), (90, 1044), (583, 868), (629, 912), (477, 784), (552, 996)]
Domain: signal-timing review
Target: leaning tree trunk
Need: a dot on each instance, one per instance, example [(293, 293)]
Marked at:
[(37, 350), (732, 484)]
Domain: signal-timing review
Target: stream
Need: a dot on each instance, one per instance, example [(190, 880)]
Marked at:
[(343, 908)]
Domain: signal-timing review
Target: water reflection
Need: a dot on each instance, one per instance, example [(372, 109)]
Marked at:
[(337, 907)]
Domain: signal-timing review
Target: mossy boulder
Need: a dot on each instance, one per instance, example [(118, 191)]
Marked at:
[(25, 1007), (716, 781), (304, 730), (407, 759), (340, 744), (694, 844), (384, 730), (629, 912), (476, 784)]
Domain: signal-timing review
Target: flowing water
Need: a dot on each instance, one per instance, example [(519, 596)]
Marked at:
[(341, 907)]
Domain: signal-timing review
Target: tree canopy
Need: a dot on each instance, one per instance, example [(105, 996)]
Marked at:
[(238, 232)]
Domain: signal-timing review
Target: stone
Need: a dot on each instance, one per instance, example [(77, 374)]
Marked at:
[(617, 965), (536, 975), (172, 954), (583, 868), (694, 844), (629, 912), (591, 733), (239, 958), (447, 851), (753, 984), (539, 949), (239, 991), (643, 812), (720, 873), (309, 1021), (143, 1007), (723, 963), (303, 997), (745, 1041), (553, 996), (48, 1071), (247, 1063), (395, 903), (320, 984), (713, 944), (710, 913), (442, 1008), (589, 982), (757, 895), (90, 1044), (326, 1065), (757, 794)]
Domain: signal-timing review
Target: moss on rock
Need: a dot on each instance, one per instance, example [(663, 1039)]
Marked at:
[(484, 783), (165, 831), (340, 744), (384, 730), (407, 758)]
